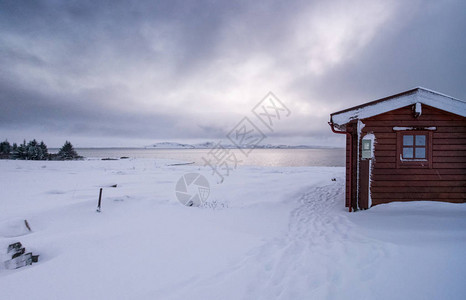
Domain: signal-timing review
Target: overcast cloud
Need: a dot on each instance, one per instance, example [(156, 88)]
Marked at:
[(110, 73)]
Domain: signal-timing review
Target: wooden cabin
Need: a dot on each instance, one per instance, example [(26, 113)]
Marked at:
[(407, 147)]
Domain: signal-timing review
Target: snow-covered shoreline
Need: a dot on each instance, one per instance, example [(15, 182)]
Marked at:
[(226, 145), (276, 233)]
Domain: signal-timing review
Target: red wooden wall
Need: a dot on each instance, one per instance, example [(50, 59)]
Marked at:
[(445, 181)]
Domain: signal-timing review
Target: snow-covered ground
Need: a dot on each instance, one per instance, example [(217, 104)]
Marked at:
[(267, 233)]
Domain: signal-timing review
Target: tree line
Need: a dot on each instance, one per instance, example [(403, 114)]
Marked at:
[(34, 150)]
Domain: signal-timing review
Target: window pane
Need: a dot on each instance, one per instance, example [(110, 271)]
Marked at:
[(407, 152), (420, 152), (407, 140), (420, 140)]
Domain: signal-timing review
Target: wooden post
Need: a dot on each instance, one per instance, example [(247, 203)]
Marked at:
[(100, 200), (364, 184), (27, 225)]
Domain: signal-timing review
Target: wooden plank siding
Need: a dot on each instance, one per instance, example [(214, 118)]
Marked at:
[(445, 180)]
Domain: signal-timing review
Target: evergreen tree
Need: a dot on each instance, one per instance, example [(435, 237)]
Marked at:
[(14, 151), (21, 152), (67, 152), (44, 150), (33, 150), (5, 147)]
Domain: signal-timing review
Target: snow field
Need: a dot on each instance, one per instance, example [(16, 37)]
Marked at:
[(277, 233)]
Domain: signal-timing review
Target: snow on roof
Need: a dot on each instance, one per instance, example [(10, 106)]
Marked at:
[(416, 95)]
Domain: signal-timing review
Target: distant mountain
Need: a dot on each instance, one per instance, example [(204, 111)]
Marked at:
[(209, 145), (170, 145)]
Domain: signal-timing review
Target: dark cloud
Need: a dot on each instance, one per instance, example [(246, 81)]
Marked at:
[(423, 46), (28, 109), (190, 69)]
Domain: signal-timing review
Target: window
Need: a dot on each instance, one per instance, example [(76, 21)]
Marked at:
[(413, 149), (414, 146)]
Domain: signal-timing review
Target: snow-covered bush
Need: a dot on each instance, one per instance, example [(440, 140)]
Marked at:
[(67, 152), (19, 152), (36, 151), (30, 151)]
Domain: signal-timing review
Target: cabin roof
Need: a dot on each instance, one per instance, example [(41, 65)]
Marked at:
[(416, 95)]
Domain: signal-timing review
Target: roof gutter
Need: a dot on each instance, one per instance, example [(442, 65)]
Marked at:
[(332, 126)]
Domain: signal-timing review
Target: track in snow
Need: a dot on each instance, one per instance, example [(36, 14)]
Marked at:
[(321, 256)]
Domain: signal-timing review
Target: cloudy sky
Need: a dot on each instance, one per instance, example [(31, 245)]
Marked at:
[(111, 73)]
